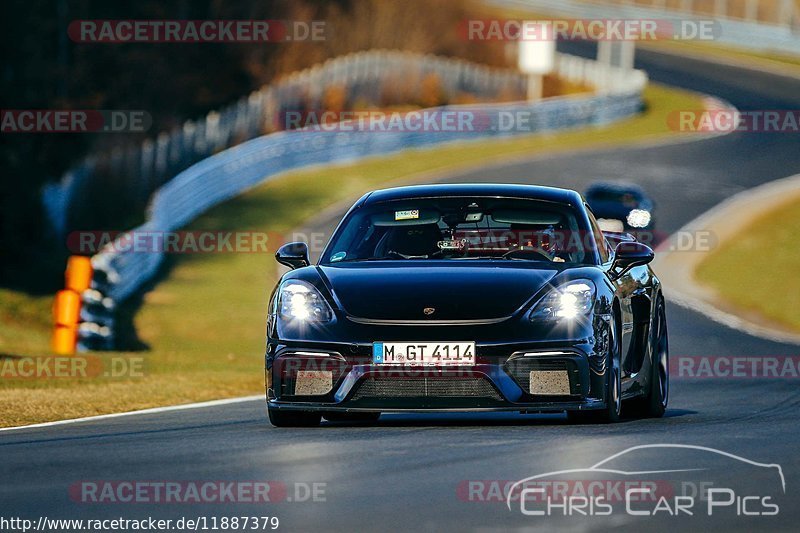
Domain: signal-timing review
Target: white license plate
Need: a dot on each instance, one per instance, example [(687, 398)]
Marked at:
[(423, 353)]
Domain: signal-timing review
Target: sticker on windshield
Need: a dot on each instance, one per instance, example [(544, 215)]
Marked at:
[(452, 244), (338, 256), (409, 214)]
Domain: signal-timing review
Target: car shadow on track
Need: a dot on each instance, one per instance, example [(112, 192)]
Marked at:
[(486, 419)]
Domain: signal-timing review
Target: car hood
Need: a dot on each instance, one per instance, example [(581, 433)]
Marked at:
[(403, 291)]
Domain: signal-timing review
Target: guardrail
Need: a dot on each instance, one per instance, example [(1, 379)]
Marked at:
[(774, 12), (119, 270), (363, 76)]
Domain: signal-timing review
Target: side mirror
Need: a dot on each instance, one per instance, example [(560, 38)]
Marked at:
[(629, 254), (294, 255)]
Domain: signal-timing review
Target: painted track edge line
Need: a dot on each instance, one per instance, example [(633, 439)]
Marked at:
[(152, 410), (728, 319)]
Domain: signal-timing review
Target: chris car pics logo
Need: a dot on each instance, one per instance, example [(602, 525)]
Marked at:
[(657, 480)]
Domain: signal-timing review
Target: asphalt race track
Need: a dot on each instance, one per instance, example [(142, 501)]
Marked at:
[(409, 472)]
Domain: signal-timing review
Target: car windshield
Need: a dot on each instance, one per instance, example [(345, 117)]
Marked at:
[(462, 229), (627, 198)]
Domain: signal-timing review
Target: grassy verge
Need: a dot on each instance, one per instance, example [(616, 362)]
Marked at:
[(756, 272), (204, 322)]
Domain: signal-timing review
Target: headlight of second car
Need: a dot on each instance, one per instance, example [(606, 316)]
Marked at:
[(299, 300), (570, 300), (639, 218)]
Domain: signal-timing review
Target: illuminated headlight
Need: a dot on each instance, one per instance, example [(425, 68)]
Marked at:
[(571, 300), (639, 218), (298, 300)]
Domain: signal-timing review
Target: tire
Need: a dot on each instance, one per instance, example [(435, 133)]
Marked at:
[(351, 417), (654, 403), (293, 419), (612, 412)]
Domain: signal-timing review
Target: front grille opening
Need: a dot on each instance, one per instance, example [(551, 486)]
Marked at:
[(520, 369), (426, 388)]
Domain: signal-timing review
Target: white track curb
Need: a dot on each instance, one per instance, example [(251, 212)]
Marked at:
[(676, 268), (153, 410)]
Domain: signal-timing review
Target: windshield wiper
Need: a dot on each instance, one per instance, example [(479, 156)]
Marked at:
[(490, 257), (363, 259)]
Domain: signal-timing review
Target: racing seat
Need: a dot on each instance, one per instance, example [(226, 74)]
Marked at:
[(414, 241), (528, 234), (535, 237)]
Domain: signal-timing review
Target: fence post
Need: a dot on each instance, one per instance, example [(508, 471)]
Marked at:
[(751, 10), (786, 13), (721, 8)]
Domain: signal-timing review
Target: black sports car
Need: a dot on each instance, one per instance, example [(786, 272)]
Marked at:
[(467, 298)]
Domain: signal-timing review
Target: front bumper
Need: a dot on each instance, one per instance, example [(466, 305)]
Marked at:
[(501, 380)]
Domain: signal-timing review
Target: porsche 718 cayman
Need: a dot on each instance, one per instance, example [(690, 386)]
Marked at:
[(467, 298)]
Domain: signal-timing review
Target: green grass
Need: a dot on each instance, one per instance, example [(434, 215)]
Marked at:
[(23, 320), (204, 322), (756, 271)]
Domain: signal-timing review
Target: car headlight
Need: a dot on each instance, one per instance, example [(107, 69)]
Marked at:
[(570, 300), (639, 218), (298, 300)]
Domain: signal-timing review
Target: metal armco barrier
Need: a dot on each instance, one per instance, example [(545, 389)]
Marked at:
[(363, 76)]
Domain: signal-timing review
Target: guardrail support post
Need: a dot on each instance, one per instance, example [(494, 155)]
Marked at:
[(751, 10), (786, 13), (720, 8), (616, 53)]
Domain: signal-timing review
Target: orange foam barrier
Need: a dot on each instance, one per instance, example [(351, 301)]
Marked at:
[(66, 308), (78, 276), (64, 340)]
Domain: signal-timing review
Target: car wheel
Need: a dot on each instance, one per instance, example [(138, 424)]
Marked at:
[(612, 412), (351, 417), (659, 379), (654, 403), (293, 419)]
